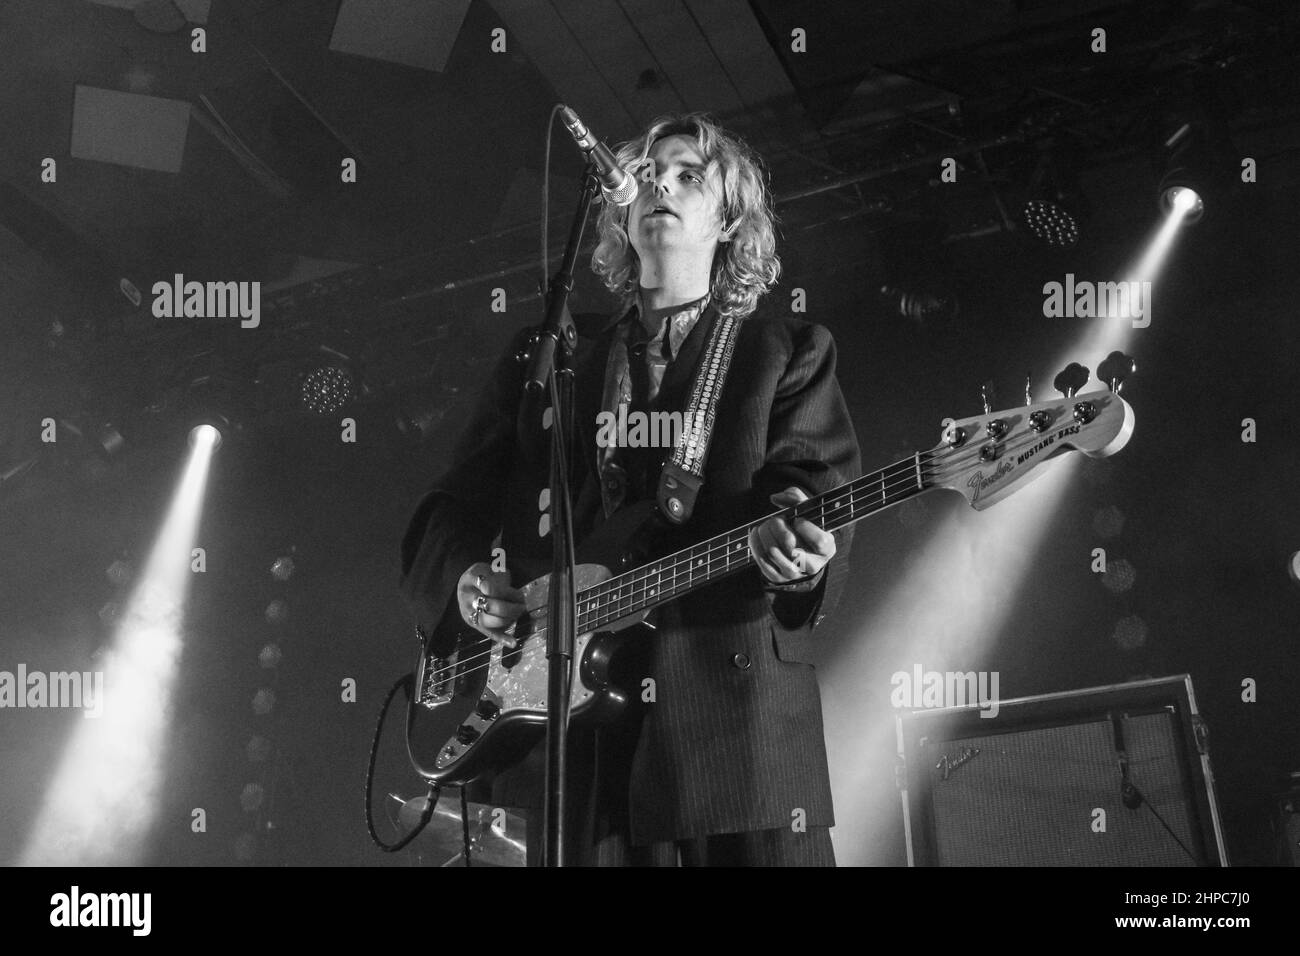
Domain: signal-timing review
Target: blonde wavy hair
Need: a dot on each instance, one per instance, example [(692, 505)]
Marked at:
[(745, 267)]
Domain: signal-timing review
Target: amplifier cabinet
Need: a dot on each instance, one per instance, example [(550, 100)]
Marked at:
[(1107, 776)]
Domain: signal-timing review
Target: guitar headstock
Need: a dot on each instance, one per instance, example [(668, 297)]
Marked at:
[(986, 457)]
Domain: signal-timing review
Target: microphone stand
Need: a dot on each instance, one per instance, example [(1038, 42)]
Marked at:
[(549, 368)]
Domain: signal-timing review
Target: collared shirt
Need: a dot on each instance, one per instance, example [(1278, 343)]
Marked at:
[(631, 338)]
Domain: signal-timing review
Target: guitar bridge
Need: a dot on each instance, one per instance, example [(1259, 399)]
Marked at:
[(437, 681)]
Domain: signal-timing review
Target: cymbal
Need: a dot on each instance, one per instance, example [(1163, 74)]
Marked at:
[(496, 835)]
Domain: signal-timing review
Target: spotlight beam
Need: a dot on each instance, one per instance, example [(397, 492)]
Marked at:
[(106, 792), (949, 605)]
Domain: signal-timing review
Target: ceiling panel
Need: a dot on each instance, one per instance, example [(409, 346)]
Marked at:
[(683, 55), (538, 29), (414, 33)]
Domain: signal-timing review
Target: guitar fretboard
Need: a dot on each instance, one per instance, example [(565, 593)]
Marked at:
[(670, 577)]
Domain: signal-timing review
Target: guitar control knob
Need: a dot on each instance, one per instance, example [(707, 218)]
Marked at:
[(996, 428), (1084, 412), (1039, 420), (486, 709), (466, 734), (989, 452)]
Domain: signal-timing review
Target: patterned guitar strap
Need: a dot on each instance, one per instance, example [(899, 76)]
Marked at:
[(683, 474)]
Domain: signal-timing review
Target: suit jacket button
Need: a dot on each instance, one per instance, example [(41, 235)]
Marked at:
[(741, 661)]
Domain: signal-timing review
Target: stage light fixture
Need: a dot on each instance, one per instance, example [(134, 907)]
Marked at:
[(216, 392), (1192, 164), (1130, 633), (103, 440), (1182, 200), (917, 265), (327, 389), (419, 417), (205, 434), (1050, 222), (277, 612), (282, 568), (926, 307), (1055, 207), (109, 439), (208, 418), (120, 572), (1120, 576), (263, 701), (251, 797), (110, 613)]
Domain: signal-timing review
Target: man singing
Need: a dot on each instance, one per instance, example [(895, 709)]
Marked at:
[(722, 760)]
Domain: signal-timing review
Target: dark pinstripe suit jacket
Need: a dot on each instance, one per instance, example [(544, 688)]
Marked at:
[(733, 740)]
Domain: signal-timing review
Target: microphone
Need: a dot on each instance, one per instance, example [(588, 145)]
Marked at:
[(616, 184)]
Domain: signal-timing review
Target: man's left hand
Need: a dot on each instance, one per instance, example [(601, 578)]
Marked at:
[(784, 553)]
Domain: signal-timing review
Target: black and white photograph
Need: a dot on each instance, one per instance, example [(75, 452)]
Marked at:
[(462, 434)]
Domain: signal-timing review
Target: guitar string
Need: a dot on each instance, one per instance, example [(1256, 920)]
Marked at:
[(725, 544), (927, 464), (535, 645), (729, 542), (845, 507), (743, 557), (872, 485)]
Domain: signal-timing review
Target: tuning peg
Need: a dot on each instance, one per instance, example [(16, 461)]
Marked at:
[(1029, 398), (987, 396), (1071, 378), (1115, 369)]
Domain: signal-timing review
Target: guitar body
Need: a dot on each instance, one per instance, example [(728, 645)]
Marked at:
[(484, 708)]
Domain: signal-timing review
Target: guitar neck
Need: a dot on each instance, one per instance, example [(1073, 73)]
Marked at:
[(677, 574)]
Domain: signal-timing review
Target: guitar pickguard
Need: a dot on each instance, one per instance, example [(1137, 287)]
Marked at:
[(486, 687)]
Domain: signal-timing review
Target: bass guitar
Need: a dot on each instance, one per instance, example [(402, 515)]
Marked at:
[(481, 709)]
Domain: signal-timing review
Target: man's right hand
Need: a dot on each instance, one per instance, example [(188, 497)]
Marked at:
[(503, 604)]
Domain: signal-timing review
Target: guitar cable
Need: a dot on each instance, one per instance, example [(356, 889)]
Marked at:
[(407, 683)]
